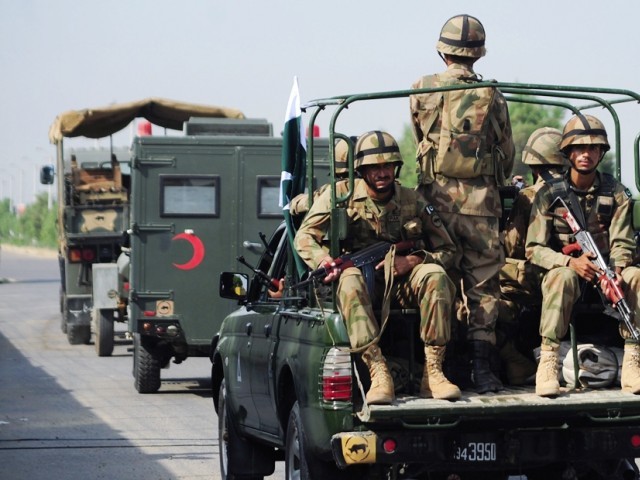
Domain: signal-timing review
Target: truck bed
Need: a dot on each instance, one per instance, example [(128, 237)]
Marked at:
[(600, 405)]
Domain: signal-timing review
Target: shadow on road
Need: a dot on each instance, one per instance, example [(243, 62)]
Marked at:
[(46, 433)]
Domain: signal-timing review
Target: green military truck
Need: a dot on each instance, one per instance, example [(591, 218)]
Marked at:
[(94, 189), (200, 200), (286, 387)]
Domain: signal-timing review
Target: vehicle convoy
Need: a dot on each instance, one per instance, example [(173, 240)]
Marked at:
[(199, 200), (94, 192), (287, 387)]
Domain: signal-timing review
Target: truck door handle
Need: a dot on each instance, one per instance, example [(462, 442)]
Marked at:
[(249, 329), (267, 330)]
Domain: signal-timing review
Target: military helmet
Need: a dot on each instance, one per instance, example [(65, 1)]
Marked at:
[(584, 130), (341, 157), (543, 148), (462, 35), (376, 148)]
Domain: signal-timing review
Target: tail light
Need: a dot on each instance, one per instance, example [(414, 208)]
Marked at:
[(336, 376), (77, 255)]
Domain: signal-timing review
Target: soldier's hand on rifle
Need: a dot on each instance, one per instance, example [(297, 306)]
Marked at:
[(334, 273), (608, 286), (584, 267), (279, 292), (401, 264)]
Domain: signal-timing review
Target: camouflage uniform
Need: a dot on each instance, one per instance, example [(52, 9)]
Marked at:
[(405, 216), (561, 284), (470, 207)]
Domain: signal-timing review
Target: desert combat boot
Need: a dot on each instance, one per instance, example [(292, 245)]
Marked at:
[(547, 384), (630, 375), (381, 391), (434, 383)]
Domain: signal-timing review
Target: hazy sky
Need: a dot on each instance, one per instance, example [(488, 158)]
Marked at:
[(58, 55)]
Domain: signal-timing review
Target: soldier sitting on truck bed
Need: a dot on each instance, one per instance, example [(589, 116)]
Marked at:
[(381, 209), (605, 205), (519, 280), (300, 204)]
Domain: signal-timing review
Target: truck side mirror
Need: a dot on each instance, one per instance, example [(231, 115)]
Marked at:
[(234, 285), (46, 175)]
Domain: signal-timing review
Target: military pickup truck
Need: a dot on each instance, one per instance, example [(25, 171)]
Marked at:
[(286, 386)]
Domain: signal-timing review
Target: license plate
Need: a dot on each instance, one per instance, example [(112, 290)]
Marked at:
[(475, 452)]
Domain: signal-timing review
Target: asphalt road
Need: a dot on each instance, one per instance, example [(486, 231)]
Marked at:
[(65, 413)]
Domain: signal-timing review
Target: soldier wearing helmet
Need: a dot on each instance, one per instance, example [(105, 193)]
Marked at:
[(465, 152), (381, 209), (604, 205), (519, 280), (300, 204)]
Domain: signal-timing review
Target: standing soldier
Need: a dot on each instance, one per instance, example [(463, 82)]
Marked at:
[(519, 280), (465, 152), (381, 209), (605, 205)]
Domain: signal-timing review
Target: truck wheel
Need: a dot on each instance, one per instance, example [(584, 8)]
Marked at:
[(104, 332), (78, 334), (146, 366), (63, 312), (303, 466), (229, 442)]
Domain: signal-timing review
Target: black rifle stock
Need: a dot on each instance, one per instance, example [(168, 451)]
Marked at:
[(372, 253), (615, 296)]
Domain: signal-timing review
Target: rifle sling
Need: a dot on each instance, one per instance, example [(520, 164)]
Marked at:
[(560, 188)]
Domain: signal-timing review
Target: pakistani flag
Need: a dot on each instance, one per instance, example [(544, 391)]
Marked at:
[(294, 160)]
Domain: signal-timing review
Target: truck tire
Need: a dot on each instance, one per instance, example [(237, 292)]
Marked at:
[(78, 334), (104, 328), (299, 464), (63, 312), (231, 445), (146, 366)]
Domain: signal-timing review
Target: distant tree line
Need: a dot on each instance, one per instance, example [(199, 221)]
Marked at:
[(35, 226)]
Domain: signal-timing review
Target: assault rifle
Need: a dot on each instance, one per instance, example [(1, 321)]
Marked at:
[(615, 297), (370, 254), (265, 279)]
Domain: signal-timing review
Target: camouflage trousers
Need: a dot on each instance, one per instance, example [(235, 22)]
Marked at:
[(519, 285), (426, 287), (561, 290), (479, 258)]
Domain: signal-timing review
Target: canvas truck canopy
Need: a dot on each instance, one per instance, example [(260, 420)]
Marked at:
[(104, 121)]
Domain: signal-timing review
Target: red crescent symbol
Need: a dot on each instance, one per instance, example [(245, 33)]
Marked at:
[(198, 251)]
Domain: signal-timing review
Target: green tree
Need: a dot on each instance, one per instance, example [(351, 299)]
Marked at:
[(35, 226), (407, 144)]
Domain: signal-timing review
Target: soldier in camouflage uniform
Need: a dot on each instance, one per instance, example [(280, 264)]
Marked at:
[(465, 152), (519, 280), (381, 209), (300, 204), (606, 205)]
